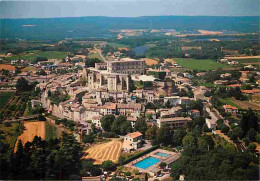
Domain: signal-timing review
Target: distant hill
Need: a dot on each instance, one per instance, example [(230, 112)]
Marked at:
[(80, 27)]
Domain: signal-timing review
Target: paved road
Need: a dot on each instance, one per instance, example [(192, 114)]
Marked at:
[(21, 119), (100, 54)]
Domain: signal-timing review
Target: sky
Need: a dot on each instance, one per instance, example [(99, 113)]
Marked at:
[(127, 8)]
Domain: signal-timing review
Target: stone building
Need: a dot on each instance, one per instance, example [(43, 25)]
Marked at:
[(110, 81), (126, 66)]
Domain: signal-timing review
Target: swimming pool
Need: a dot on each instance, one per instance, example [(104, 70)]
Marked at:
[(162, 154), (147, 162)]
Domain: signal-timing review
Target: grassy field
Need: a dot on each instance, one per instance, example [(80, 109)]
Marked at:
[(94, 55), (31, 56), (4, 97), (138, 85), (229, 102), (118, 45), (249, 60), (208, 85), (206, 64), (8, 134), (50, 131), (27, 44)]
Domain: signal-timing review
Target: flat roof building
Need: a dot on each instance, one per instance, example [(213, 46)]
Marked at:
[(126, 66)]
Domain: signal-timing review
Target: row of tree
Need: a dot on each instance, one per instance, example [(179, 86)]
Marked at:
[(54, 159)]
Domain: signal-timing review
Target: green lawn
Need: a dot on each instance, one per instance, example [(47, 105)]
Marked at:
[(249, 60), (50, 131), (27, 44), (31, 56), (118, 45), (4, 97), (229, 102), (208, 85), (138, 85), (206, 64)]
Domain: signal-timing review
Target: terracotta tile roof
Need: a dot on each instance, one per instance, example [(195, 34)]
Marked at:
[(108, 106), (131, 119), (229, 107), (195, 110), (134, 134), (7, 67), (250, 91), (129, 106), (235, 85)]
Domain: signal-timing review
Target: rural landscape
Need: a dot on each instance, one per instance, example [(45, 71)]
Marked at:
[(152, 98)]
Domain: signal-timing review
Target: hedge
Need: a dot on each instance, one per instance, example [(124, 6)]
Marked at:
[(159, 75), (141, 154)]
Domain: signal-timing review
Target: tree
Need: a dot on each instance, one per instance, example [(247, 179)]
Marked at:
[(88, 138), (257, 138), (69, 156), (249, 120), (197, 105), (108, 166), (125, 128), (190, 140), (150, 105), (251, 147), (151, 132), (127, 174), (90, 62), (178, 136), (121, 126), (206, 142), (163, 165), (23, 85), (40, 59), (106, 122), (41, 72), (164, 135), (251, 134), (88, 166), (225, 129), (141, 125)]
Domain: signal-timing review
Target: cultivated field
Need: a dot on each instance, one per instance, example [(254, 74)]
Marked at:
[(117, 45), (37, 53), (4, 98), (32, 129), (206, 32), (204, 64), (246, 104), (149, 61), (105, 151), (230, 102)]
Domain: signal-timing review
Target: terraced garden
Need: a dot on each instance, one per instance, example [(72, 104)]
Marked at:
[(12, 106)]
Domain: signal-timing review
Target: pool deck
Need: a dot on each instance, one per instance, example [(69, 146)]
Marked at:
[(172, 156)]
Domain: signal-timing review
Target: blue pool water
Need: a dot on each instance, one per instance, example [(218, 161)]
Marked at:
[(162, 154), (147, 162)]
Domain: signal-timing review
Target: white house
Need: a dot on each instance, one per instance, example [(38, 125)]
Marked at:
[(132, 141)]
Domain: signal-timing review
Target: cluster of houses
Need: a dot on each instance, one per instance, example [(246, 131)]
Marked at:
[(107, 90)]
